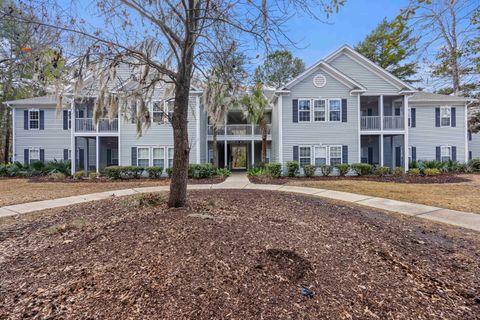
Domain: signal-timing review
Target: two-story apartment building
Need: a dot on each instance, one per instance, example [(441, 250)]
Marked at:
[(343, 109)]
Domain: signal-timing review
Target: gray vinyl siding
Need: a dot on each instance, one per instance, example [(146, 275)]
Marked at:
[(425, 136), (53, 139), (155, 135), (320, 133), (474, 146), (369, 79), (203, 135)]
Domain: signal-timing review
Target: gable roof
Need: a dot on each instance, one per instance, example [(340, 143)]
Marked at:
[(337, 74), (50, 100), (370, 65), (423, 96)]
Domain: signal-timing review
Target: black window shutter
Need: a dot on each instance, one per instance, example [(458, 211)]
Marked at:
[(25, 119), (65, 154), (454, 117), (295, 110), (437, 153), (134, 156), (437, 117), (65, 119), (344, 110), (42, 155), (344, 154), (470, 155), (295, 153), (414, 153), (469, 135), (414, 117), (42, 120), (26, 154), (454, 153)]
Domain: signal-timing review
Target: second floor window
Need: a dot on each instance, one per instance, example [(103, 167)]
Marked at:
[(335, 110), (445, 116), (34, 119), (303, 110), (158, 114), (319, 110), (446, 153)]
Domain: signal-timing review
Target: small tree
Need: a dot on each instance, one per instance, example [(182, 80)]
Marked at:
[(278, 68), (256, 105)]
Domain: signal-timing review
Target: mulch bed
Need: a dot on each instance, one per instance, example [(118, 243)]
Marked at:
[(442, 178), (165, 180), (235, 254)]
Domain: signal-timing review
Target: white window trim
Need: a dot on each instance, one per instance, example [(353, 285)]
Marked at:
[(329, 152), (409, 117), (149, 154), (450, 121), (300, 157), (30, 154), (29, 119), (315, 155), (326, 109), (164, 155), (310, 111), (449, 152), (335, 99)]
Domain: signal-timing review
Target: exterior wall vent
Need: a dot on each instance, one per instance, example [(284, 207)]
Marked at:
[(319, 81)]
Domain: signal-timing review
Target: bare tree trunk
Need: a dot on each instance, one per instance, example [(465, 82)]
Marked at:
[(454, 54), (263, 127)]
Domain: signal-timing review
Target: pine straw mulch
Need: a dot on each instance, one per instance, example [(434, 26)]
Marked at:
[(238, 254), (441, 178), (161, 180)]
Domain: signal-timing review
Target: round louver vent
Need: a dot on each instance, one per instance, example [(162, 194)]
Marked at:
[(319, 81)]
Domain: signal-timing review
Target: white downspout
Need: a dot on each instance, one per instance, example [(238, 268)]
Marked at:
[(73, 147)]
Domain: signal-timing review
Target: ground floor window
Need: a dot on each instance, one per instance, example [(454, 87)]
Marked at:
[(170, 157), (159, 157), (34, 155), (335, 155), (305, 156), (446, 153), (409, 154), (320, 155), (143, 156)]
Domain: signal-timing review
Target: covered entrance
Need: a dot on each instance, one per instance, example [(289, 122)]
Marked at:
[(239, 156)]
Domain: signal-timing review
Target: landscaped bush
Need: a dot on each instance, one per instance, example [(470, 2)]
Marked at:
[(154, 172), (342, 168), (413, 165), (57, 166), (431, 172), (274, 169), (57, 176), (474, 165), (112, 172), (6, 169), (150, 199), (326, 170), (79, 174), (309, 170), (255, 172), (92, 175), (123, 172), (432, 164), (382, 171), (224, 172), (452, 166), (169, 172), (398, 171), (292, 168), (201, 171), (362, 169), (414, 172)]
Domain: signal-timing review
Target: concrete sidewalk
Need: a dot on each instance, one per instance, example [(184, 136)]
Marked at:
[(466, 220)]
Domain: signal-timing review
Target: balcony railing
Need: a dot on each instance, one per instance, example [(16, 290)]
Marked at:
[(370, 123), (238, 130), (393, 123), (104, 125)]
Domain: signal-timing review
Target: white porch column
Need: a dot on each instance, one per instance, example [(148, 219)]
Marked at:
[(197, 129), (381, 112), (73, 147), (225, 154), (97, 154), (253, 153), (14, 153), (119, 142), (280, 130), (381, 150), (406, 152)]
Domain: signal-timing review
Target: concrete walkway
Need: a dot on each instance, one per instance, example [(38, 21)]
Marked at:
[(466, 220)]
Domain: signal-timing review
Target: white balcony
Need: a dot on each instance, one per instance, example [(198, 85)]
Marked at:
[(373, 123), (88, 126), (246, 131)]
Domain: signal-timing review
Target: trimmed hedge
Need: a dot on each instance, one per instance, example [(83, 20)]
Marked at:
[(309, 170), (154, 172), (292, 168), (362, 169), (342, 168), (274, 169), (123, 172), (382, 171), (326, 170), (201, 171)]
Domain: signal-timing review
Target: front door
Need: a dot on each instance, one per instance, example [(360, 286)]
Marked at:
[(239, 157)]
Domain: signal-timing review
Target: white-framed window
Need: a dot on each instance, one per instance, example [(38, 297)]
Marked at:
[(143, 156), (410, 154), (305, 155), (158, 156), (445, 153), (69, 154), (335, 155), (169, 105), (335, 110), (303, 110), (34, 154), (445, 116), (33, 119), (170, 157), (409, 117), (320, 155), (158, 115), (319, 110)]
